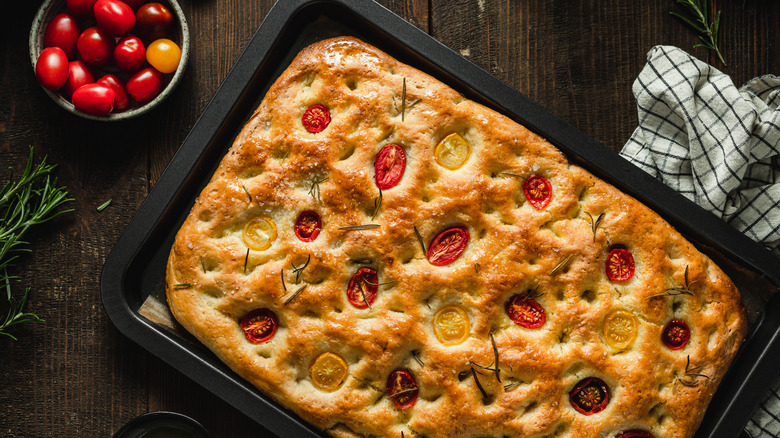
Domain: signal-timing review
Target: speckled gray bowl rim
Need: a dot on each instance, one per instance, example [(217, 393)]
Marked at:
[(36, 43), (140, 420)]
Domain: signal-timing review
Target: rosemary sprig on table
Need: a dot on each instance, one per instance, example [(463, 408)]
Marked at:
[(31, 200), (708, 31)]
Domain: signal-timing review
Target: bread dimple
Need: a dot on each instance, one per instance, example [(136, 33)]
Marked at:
[(554, 255)]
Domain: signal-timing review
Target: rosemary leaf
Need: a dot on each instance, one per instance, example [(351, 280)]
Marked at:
[(511, 386), (495, 355), (512, 174), (417, 358), (363, 293), (314, 190), (377, 205), (202, 264), (247, 193), (420, 239), (297, 270), (182, 285), (595, 224), (281, 274), (295, 294), (479, 385), (360, 227), (561, 265), (103, 206), (246, 260)]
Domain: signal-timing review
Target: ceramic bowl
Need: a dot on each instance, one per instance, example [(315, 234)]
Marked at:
[(162, 424)]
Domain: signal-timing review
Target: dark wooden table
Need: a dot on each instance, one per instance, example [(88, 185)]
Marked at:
[(75, 375)]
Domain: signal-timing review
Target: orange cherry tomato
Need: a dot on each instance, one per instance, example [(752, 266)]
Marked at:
[(389, 166), (164, 55), (620, 265), (451, 325), (259, 325), (363, 287), (676, 334), (402, 389), (328, 372), (448, 245), (590, 396), (452, 152), (620, 328), (538, 191), (316, 118), (308, 226), (259, 233), (525, 311)]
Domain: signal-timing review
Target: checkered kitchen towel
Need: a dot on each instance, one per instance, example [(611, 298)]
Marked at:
[(720, 147)]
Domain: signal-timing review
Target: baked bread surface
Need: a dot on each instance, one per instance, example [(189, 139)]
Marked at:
[(555, 256)]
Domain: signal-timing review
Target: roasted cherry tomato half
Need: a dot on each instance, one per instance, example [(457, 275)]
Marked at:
[(62, 31), (114, 17), (308, 226), (145, 85), (95, 47), (526, 311), (130, 54), (121, 99), (51, 69), (590, 396), (363, 287), (402, 389), (328, 372), (259, 233), (620, 328), (95, 99), (448, 245), (153, 20), (452, 152), (81, 8), (451, 325), (538, 191), (389, 166), (259, 325), (79, 74), (620, 265), (316, 118), (635, 433), (164, 55), (676, 334)]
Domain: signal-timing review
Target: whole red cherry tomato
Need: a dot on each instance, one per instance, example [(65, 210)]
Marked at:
[(81, 8), (114, 17), (95, 47), (153, 20), (63, 32), (121, 99), (130, 54), (51, 69), (145, 85), (79, 74), (135, 4), (95, 99)]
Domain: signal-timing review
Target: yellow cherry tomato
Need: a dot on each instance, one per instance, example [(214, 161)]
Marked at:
[(620, 328), (328, 372), (452, 152), (451, 325), (259, 233), (164, 55)]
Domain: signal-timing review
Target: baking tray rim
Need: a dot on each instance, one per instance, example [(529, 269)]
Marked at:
[(143, 225)]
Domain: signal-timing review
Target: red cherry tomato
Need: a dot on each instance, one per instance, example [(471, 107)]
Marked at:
[(448, 245), (51, 69), (95, 47), (79, 74), (145, 85), (153, 20), (525, 311), (121, 99), (308, 226), (316, 118), (620, 265), (259, 325), (590, 396), (635, 433), (114, 17), (389, 166), (362, 288), (63, 32), (95, 99), (538, 191), (135, 4), (81, 8), (676, 334), (402, 389), (130, 54)]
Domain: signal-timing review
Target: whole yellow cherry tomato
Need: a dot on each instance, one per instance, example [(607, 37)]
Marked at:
[(164, 55)]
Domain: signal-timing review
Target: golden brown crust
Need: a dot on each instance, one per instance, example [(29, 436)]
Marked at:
[(513, 248)]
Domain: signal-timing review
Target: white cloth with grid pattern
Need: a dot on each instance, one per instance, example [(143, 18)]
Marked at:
[(719, 146)]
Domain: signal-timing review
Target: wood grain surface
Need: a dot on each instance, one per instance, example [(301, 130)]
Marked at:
[(75, 375)]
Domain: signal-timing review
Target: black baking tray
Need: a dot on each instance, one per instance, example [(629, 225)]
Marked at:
[(135, 268)]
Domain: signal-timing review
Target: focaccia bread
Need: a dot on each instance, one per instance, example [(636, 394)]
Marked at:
[(384, 257)]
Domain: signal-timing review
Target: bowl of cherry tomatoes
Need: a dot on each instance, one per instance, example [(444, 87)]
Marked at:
[(109, 59)]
